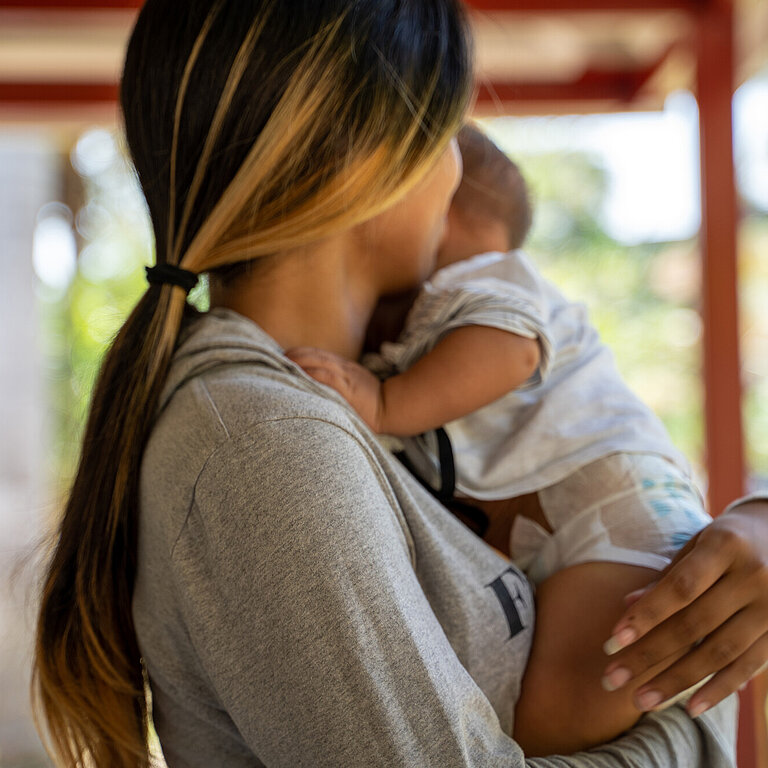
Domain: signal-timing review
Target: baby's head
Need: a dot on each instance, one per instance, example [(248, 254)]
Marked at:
[(490, 210)]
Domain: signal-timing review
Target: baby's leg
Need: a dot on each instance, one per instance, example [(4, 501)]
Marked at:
[(614, 524)]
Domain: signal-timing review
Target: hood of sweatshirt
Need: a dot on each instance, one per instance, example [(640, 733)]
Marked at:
[(223, 337)]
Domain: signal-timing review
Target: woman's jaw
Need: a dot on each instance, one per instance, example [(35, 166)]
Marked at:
[(323, 295), (319, 296)]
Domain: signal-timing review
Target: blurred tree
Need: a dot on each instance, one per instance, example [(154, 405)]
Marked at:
[(641, 298)]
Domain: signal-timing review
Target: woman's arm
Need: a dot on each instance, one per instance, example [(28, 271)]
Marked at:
[(669, 738), (716, 589), (438, 388)]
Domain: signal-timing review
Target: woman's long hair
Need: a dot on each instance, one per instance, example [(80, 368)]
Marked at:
[(255, 126)]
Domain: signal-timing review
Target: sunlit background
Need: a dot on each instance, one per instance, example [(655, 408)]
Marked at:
[(617, 208), (616, 201)]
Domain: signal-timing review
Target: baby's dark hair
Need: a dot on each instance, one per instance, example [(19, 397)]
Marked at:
[(492, 186)]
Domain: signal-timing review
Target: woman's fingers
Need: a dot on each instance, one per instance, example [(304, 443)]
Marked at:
[(696, 568), (676, 636), (728, 653), (633, 597), (714, 595), (730, 679)]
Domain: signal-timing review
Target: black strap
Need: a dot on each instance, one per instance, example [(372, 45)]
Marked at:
[(168, 274), (447, 466), (472, 517)]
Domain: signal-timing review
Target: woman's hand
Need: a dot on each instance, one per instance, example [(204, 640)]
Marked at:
[(712, 600)]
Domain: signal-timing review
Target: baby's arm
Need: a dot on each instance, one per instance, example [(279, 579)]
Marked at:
[(470, 367)]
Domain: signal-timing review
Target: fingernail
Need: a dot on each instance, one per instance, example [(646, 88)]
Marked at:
[(699, 709), (650, 699), (620, 640), (615, 679)]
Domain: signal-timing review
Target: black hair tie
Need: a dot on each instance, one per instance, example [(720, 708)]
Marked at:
[(168, 274)]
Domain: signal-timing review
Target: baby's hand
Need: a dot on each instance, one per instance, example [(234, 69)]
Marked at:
[(358, 386)]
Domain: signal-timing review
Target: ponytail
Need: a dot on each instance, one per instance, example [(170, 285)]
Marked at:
[(87, 679), (253, 131)]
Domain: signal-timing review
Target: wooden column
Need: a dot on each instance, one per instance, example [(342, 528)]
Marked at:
[(722, 368), (724, 441)]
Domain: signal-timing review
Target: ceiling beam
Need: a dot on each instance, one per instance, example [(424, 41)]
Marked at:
[(593, 85), (577, 6), (54, 94), (601, 85), (528, 6), (608, 86), (71, 5)]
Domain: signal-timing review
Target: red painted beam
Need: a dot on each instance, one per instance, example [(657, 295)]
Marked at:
[(70, 5), (594, 86), (576, 6), (58, 93), (618, 87), (529, 6)]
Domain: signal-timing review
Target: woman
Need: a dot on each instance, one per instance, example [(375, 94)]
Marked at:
[(294, 596)]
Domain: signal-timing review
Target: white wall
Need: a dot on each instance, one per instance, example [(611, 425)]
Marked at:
[(29, 174)]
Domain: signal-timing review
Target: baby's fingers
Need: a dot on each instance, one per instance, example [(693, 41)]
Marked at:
[(312, 357), (328, 376)]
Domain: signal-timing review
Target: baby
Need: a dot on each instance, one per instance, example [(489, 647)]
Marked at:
[(496, 368)]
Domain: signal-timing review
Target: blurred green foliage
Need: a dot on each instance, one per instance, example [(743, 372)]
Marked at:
[(753, 266), (641, 298)]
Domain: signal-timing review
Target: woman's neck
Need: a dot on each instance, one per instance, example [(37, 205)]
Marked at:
[(314, 297)]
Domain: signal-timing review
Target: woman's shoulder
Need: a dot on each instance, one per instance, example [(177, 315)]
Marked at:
[(249, 408), (234, 407), (228, 376)]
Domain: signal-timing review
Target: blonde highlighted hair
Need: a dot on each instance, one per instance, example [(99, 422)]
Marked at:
[(254, 129)]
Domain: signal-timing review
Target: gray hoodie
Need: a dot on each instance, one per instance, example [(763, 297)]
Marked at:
[(301, 601)]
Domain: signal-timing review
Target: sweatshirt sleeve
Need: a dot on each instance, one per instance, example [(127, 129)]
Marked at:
[(756, 496), (305, 611), (666, 738)]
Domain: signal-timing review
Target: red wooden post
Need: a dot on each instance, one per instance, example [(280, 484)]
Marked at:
[(724, 439), (725, 459)]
